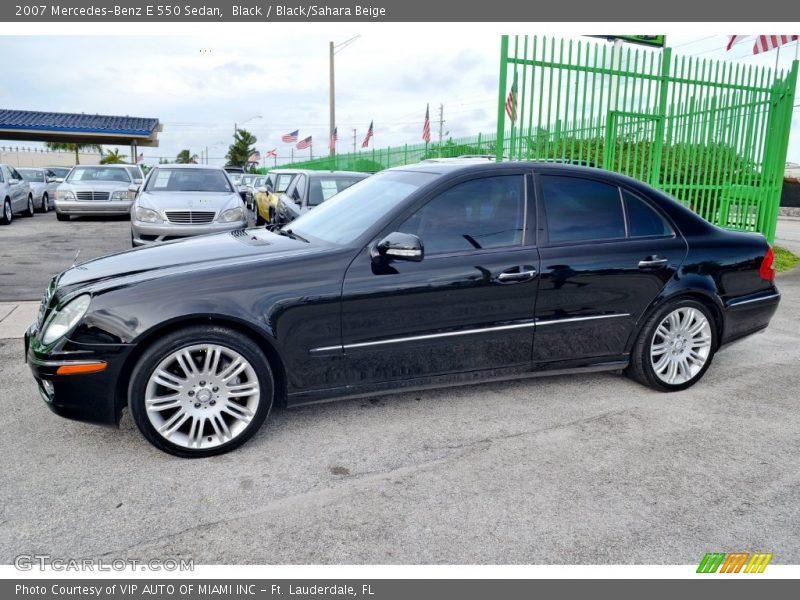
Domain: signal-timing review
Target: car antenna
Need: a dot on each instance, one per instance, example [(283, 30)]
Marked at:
[(77, 254)]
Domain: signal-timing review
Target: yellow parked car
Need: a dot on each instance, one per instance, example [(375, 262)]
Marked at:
[(267, 196)]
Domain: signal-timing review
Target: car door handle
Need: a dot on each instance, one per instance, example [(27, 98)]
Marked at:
[(519, 274), (653, 261)]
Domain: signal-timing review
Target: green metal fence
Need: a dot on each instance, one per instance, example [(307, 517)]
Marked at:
[(713, 134)]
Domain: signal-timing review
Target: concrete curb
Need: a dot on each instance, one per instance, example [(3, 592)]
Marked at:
[(16, 317)]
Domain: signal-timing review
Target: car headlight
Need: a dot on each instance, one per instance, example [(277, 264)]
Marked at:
[(231, 215), (64, 195), (145, 215), (65, 319), (120, 195)]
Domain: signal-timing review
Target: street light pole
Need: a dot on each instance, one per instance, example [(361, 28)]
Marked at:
[(333, 49)]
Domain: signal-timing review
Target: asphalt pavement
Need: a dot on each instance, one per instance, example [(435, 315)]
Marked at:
[(587, 469)]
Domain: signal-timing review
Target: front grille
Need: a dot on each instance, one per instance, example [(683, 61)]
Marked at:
[(190, 217), (90, 196)]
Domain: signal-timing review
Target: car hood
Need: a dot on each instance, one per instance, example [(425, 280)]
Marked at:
[(195, 253), (215, 201), (95, 186)]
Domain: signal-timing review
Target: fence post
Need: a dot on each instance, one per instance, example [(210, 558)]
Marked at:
[(501, 100), (658, 143)]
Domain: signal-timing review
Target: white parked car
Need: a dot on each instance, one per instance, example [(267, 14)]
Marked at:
[(178, 201), (15, 194), (96, 190), (43, 184)]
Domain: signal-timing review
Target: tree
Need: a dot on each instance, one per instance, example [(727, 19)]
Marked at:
[(244, 144), (113, 157), (185, 157), (76, 148)]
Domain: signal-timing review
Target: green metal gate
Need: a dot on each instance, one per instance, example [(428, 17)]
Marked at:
[(713, 134)]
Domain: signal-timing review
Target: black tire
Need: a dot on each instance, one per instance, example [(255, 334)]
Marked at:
[(184, 338), (62, 216), (29, 211), (45, 203), (641, 367), (8, 213)]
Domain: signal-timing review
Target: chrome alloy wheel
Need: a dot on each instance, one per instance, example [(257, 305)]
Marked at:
[(202, 396), (680, 346)]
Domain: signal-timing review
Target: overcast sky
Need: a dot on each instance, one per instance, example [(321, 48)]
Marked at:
[(198, 87)]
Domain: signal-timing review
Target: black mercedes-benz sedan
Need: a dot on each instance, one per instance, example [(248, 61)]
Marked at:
[(419, 276)]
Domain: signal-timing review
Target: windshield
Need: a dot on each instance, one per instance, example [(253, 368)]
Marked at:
[(134, 172), (32, 174), (188, 180), (323, 188), (59, 171), (99, 174), (348, 215), (284, 179), (248, 179)]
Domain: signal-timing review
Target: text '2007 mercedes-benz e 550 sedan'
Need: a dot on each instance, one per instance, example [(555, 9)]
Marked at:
[(418, 276)]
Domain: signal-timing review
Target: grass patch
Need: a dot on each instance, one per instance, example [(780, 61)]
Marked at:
[(785, 260)]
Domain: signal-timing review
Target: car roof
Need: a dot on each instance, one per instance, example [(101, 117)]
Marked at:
[(188, 166), (338, 173), (444, 168)]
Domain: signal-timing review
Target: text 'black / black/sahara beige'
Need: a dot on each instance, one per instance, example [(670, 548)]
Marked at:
[(419, 276)]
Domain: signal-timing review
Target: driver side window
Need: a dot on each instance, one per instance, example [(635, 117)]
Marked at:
[(474, 215)]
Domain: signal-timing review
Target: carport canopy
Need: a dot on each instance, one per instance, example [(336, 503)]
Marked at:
[(78, 128)]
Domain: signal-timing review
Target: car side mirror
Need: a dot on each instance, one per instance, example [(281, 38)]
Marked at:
[(59, 180), (399, 246), (137, 181), (262, 190), (13, 181), (133, 190)]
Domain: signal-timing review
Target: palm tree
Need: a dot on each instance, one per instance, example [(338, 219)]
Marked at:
[(76, 148), (113, 157), (186, 157)]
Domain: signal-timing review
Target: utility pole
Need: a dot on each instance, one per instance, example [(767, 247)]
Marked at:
[(333, 49), (332, 100), (441, 127), (354, 141)]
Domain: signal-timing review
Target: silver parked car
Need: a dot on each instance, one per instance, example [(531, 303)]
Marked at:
[(15, 194), (43, 185), (178, 201), (60, 173), (96, 190)]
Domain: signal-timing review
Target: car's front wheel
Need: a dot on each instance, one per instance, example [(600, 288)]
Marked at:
[(201, 391), (45, 203), (675, 347)]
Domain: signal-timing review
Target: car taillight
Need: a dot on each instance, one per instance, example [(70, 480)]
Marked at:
[(767, 270)]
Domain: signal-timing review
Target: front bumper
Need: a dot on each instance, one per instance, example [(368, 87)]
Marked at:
[(94, 208), (89, 397), (148, 233)]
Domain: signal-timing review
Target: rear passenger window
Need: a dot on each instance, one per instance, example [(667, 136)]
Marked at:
[(643, 221), (581, 209)]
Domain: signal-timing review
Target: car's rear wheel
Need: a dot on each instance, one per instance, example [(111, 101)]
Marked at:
[(29, 210), (45, 203), (8, 214), (201, 391), (62, 216), (675, 347)]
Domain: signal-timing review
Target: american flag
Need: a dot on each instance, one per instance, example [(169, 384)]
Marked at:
[(426, 126), (511, 101), (272, 153), (365, 143), (291, 138), (334, 138), (255, 157), (732, 40), (765, 43), (303, 144)]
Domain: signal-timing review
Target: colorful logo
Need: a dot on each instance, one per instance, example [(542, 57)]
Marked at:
[(735, 562)]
